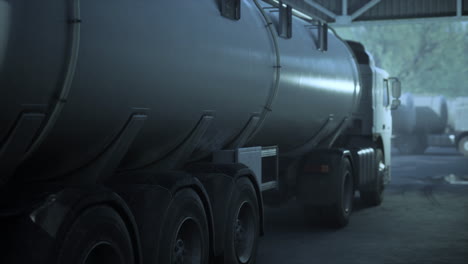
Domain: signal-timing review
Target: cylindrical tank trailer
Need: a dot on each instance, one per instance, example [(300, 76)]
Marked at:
[(140, 131), (176, 73)]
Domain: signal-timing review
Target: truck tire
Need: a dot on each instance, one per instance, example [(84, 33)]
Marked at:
[(338, 214), (242, 228), (185, 237), (374, 196), (463, 146), (98, 235)]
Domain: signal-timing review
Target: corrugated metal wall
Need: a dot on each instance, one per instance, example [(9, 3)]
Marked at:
[(388, 9), (400, 9)]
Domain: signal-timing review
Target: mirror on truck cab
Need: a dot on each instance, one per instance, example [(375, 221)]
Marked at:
[(395, 85)]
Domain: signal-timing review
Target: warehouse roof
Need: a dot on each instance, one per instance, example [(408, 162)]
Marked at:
[(350, 12)]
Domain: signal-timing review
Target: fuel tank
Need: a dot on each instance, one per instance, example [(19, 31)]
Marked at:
[(89, 65)]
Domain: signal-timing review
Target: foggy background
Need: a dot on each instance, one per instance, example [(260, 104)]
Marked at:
[(429, 58)]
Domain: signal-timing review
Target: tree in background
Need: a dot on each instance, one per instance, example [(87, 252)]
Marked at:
[(429, 58)]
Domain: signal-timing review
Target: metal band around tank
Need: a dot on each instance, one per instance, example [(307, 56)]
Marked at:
[(274, 90), (72, 58)]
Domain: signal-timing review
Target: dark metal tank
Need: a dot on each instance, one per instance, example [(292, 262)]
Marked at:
[(88, 65)]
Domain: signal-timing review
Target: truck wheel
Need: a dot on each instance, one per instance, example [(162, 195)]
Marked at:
[(185, 231), (339, 213), (98, 235), (374, 196), (242, 228), (463, 146)]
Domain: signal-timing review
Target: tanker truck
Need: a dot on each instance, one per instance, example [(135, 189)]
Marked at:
[(424, 121), (156, 131)]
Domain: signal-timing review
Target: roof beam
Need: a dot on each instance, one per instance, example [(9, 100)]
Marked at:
[(459, 8), (364, 9), (402, 21), (313, 9), (321, 8), (344, 8)]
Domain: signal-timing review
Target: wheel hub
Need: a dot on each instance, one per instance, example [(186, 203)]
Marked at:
[(244, 232), (348, 194), (179, 251), (381, 175), (239, 230), (187, 247)]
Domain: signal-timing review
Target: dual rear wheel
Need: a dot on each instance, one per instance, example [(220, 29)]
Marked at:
[(186, 235), (100, 235)]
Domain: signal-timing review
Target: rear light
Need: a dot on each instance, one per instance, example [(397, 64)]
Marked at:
[(316, 168)]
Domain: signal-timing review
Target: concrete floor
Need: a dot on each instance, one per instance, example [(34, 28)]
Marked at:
[(424, 219)]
